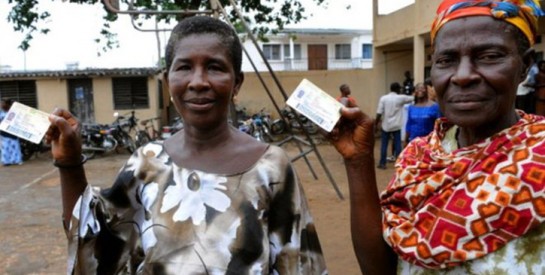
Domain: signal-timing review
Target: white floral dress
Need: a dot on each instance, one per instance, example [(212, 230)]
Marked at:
[(159, 218)]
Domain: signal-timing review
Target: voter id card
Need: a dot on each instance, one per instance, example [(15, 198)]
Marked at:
[(317, 105), (25, 122)]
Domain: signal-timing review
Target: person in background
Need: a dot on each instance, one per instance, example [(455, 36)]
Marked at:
[(422, 114), (184, 206), (389, 116), (526, 91), (431, 91), (11, 147), (345, 97), (469, 197), (539, 97), (408, 84)]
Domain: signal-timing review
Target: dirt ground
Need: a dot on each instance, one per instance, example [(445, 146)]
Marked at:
[(33, 242)]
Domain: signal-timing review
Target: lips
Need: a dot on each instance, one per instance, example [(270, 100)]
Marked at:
[(199, 104), (467, 102)]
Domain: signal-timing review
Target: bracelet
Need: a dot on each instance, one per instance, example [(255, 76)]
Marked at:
[(73, 165)]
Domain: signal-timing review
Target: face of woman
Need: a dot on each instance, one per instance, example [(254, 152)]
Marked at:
[(420, 91), (476, 68), (202, 81)]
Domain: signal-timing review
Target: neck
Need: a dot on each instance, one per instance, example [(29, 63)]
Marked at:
[(207, 139), (421, 100), (470, 135)]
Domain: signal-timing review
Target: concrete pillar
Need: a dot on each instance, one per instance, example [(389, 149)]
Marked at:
[(292, 53), (419, 62)]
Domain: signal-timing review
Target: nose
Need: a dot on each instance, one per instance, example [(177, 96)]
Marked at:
[(199, 80), (465, 73)]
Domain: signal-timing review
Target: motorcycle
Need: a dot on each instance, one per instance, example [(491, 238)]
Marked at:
[(121, 128), (29, 149), (169, 130), (261, 123), (279, 126), (97, 138)]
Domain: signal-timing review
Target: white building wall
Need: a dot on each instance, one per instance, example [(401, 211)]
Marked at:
[(284, 64)]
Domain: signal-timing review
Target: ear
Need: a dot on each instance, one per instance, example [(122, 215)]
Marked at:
[(239, 79), (165, 78), (528, 58)]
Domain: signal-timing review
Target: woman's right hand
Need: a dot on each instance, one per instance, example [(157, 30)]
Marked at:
[(64, 137), (353, 137)]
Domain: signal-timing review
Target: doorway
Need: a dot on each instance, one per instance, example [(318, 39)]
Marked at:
[(80, 96), (317, 57)]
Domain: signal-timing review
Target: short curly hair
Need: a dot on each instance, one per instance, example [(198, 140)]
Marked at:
[(205, 25)]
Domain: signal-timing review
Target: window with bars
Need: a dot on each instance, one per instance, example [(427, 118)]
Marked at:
[(22, 91), (130, 93), (343, 51)]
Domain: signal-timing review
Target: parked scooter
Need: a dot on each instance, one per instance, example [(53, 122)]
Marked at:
[(96, 138)]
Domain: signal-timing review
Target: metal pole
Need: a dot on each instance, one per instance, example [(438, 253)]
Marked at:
[(278, 84)]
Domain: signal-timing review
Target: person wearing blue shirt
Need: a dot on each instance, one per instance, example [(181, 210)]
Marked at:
[(422, 114)]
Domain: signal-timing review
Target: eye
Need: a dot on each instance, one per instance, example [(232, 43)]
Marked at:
[(183, 67), (490, 56), (444, 61), (217, 67)]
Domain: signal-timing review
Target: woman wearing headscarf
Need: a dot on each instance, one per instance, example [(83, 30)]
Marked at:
[(470, 197), (11, 148)]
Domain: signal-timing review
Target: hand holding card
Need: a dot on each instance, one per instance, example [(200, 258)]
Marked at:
[(25, 122)]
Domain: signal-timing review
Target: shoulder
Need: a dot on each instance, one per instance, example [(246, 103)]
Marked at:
[(277, 155)]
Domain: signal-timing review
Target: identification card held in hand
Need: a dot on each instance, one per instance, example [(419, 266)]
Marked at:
[(25, 122), (317, 105)]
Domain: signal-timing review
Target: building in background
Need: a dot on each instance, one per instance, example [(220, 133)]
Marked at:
[(311, 49), (93, 95), (401, 41)]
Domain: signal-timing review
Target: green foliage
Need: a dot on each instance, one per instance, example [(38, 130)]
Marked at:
[(266, 16)]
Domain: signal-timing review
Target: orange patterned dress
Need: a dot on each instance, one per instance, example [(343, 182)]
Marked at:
[(445, 208)]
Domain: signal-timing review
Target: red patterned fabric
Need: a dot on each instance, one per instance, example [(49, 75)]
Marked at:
[(443, 208)]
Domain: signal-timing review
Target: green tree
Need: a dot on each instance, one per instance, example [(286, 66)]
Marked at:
[(264, 16)]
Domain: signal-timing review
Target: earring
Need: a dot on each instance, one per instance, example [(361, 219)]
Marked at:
[(171, 99)]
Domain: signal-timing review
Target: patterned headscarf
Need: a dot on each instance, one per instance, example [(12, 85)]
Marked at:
[(520, 13)]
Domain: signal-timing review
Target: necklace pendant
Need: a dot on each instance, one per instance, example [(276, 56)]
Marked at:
[(193, 182)]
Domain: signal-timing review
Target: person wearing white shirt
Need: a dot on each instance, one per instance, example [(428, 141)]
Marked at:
[(390, 117)]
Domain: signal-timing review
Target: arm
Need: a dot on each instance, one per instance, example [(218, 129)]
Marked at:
[(408, 126), (293, 240), (378, 121), (354, 139), (63, 135)]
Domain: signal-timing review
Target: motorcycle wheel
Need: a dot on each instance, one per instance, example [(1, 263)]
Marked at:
[(267, 137), (27, 149), (128, 143), (257, 134), (90, 154), (278, 127), (142, 138)]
